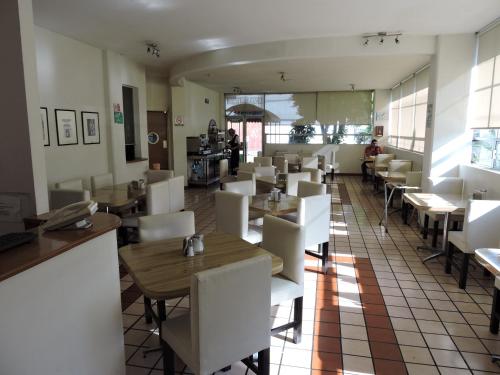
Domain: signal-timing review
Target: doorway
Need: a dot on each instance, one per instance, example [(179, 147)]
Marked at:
[(157, 139), (250, 132)]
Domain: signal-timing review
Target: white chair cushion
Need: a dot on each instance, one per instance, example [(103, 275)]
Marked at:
[(283, 290)]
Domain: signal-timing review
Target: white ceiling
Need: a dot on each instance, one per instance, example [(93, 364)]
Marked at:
[(369, 72)]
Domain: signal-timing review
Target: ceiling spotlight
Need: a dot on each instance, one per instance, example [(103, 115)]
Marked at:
[(283, 76), (352, 86), (396, 40), (365, 43), (381, 41), (153, 49), (380, 37)]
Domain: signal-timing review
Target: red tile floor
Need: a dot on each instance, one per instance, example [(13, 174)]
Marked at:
[(379, 310)]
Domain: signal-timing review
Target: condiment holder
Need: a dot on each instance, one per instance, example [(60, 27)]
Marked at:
[(193, 245), (275, 195)]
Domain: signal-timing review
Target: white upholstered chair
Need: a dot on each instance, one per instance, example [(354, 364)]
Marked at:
[(223, 168), (313, 214), (263, 161), (228, 320), (480, 230), (248, 176), (62, 197), (332, 165), (158, 198), (286, 240), (306, 189), (316, 174), (292, 181), (165, 226), (247, 167), (281, 164), (231, 216), (292, 158), (153, 175), (309, 162), (76, 184), (100, 181), (176, 193), (265, 171), (402, 166), (246, 188)]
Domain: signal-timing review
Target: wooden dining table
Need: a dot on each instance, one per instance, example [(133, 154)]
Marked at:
[(261, 203), (117, 198), (162, 272)]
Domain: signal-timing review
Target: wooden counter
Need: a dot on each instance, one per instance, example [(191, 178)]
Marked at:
[(51, 244)]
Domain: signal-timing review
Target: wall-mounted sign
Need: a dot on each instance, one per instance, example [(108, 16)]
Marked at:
[(117, 113), (179, 121), (379, 131)]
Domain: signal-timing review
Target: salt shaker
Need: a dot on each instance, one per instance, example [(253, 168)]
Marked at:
[(198, 243), (188, 247)]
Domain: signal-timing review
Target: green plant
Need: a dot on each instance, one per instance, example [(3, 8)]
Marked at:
[(337, 137), (301, 133), (362, 138)]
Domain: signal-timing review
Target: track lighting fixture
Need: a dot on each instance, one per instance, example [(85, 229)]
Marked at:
[(153, 49), (381, 36)]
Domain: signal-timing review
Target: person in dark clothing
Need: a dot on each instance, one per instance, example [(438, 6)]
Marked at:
[(372, 150), (234, 146)]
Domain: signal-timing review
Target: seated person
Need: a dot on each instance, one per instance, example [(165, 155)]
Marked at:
[(372, 150)]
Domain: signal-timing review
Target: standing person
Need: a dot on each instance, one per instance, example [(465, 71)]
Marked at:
[(372, 150), (234, 146)]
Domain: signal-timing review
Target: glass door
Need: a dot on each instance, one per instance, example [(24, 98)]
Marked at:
[(250, 133), (236, 123)]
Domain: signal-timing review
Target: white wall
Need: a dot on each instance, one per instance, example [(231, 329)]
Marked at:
[(478, 179), (71, 76), (416, 158), (189, 101), (157, 93)]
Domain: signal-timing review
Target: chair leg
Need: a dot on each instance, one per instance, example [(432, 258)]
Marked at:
[(495, 309), (168, 359), (449, 257), (435, 231), (425, 229), (264, 360), (297, 319), (463, 272), (324, 256), (147, 312)]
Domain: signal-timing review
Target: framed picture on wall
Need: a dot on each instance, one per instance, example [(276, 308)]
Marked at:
[(66, 127), (45, 126), (90, 128)]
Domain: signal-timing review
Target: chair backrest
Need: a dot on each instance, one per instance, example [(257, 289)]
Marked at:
[(240, 187), (76, 184), (176, 193), (247, 167), (280, 163), (153, 175), (165, 226), (401, 166), (306, 189), (264, 161), (314, 214), (316, 174), (292, 181), (322, 162), (265, 171), (62, 197), (102, 180), (286, 240), (221, 336), (292, 158), (158, 198), (334, 149), (310, 162), (248, 176), (231, 213), (223, 168), (382, 160), (414, 179), (445, 185), (481, 224)]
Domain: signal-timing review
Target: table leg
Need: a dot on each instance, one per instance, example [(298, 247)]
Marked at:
[(444, 245), (386, 206)]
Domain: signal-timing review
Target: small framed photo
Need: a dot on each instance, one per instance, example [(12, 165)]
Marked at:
[(379, 131), (45, 126), (66, 127), (90, 128)]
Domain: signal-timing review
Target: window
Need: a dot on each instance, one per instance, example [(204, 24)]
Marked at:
[(408, 112), (314, 118), (485, 101)]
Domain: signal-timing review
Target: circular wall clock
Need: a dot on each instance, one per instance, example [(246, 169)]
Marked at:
[(153, 138)]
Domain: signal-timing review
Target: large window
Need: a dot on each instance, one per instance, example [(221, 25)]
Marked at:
[(314, 118), (408, 112), (485, 103)]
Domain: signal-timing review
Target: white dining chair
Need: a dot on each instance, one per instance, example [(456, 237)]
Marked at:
[(223, 168), (480, 230), (309, 162), (332, 165), (293, 179), (154, 175), (246, 188), (158, 198), (100, 181), (231, 216), (176, 193), (281, 164), (228, 320), (306, 189), (287, 241), (75, 184), (401, 166), (263, 161), (59, 198), (316, 174), (248, 176), (247, 167), (166, 226), (265, 171)]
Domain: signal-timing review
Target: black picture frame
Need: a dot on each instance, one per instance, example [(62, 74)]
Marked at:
[(44, 117), (67, 133), (91, 131)]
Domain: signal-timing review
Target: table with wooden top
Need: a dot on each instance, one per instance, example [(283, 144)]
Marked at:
[(162, 272), (261, 203), (117, 198), (444, 204)]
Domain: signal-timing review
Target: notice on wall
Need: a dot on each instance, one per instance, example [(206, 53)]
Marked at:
[(117, 113), (179, 121)]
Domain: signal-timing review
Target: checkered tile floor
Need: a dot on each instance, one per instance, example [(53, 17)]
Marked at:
[(378, 311)]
